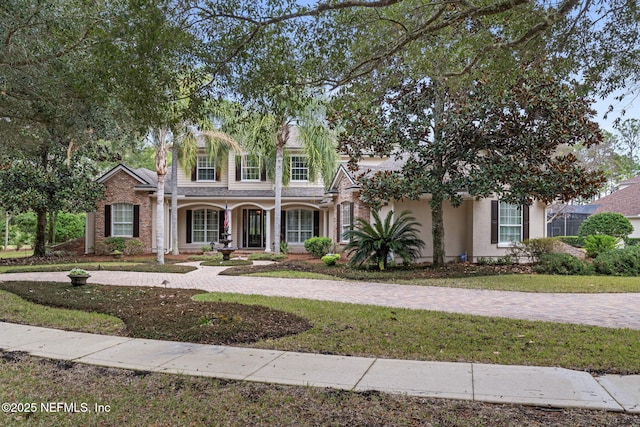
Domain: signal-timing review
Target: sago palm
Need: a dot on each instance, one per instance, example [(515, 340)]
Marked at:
[(374, 242)]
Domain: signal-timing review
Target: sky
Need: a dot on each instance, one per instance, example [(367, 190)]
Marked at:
[(628, 108)]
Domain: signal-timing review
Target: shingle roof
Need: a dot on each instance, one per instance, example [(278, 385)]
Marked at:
[(625, 201)]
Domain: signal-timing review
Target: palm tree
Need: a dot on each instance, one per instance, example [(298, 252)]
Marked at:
[(185, 151), (267, 133), (374, 242)]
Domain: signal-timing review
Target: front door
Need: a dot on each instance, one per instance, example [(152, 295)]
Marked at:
[(253, 225)]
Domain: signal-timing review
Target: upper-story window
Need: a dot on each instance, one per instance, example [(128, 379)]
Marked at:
[(250, 168), (122, 220), (509, 223), (205, 169), (299, 169)]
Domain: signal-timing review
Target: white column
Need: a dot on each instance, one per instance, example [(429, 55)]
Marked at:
[(267, 230)]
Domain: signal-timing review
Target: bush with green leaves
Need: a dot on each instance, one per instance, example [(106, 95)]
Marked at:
[(632, 241), (619, 262), (115, 244), (599, 243), (330, 259), (575, 241), (318, 246), (560, 263), (134, 247), (609, 223), (375, 242), (532, 249)]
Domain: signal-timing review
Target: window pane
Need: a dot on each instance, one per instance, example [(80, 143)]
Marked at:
[(122, 219), (510, 223), (204, 226), (251, 168), (299, 171), (206, 170)]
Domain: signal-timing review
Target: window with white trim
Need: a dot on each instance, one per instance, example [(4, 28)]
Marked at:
[(509, 223), (299, 169), (250, 168), (205, 169), (347, 217), (122, 220), (299, 225), (205, 226)]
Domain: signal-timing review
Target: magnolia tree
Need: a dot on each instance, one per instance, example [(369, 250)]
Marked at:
[(484, 141)]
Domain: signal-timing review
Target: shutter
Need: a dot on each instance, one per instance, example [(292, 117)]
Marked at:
[(494, 221), (136, 220), (217, 175), (316, 223), (220, 223), (238, 168), (338, 234), (107, 220), (189, 225), (525, 222), (263, 171), (194, 174), (283, 226)]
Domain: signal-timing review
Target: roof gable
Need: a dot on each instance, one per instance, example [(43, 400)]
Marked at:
[(142, 176), (341, 173)]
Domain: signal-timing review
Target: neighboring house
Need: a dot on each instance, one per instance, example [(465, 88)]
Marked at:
[(626, 201), (478, 228)]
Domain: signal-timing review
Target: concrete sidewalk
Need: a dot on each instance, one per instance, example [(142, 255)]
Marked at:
[(528, 385)]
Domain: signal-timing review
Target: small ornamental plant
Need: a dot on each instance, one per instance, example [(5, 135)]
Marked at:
[(331, 259), (78, 272)]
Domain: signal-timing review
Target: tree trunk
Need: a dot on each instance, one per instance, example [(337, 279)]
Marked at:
[(437, 231), (174, 200), (6, 230), (160, 220), (40, 248), (52, 228), (277, 218)]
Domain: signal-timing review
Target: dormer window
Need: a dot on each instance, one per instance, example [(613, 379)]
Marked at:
[(250, 168)]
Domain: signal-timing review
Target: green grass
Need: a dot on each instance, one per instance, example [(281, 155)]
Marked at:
[(537, 283), (288, 274), (15, 309), (362, 330), (108, 265), (16, 254)]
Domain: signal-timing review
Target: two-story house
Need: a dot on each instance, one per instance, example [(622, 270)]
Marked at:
[(478, 228)]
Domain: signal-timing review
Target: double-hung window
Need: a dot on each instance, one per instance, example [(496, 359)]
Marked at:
[(205, 226), (205, 169), (251, 168), (299, 225), (509, 223), (299, 169), (122, 220)]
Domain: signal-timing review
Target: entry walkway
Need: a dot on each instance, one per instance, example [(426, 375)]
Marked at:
[(543, 386)]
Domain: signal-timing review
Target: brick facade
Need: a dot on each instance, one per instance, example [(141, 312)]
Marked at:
[(120, 189), (348, 195)]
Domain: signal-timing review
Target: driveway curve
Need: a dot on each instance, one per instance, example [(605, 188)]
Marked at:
[(608, 310)]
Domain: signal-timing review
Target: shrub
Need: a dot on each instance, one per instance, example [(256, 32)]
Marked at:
[(599, 243), (331, 259), (632, 241), (575, 241), (609, 223), (374, 242), (532, 249), (115, 244), (619, 262), (564, 264), (134, 247), (284, 247), (318, 246)]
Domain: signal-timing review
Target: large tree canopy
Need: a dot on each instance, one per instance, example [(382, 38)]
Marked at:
[(482, 141)]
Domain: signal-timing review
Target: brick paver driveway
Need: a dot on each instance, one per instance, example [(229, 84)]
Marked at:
[(609, 310)]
